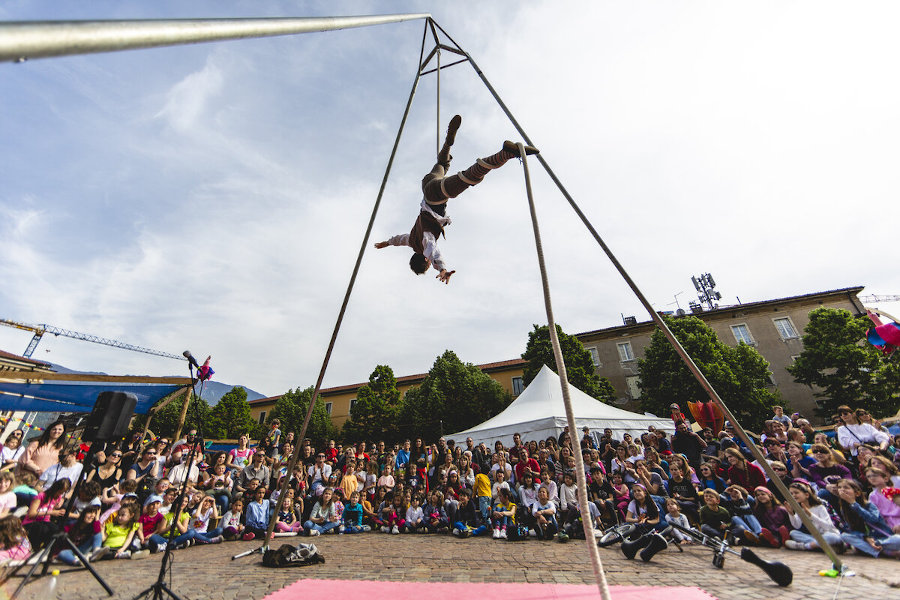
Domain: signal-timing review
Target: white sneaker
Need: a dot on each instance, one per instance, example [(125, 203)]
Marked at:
[(314, 532), (503, 534), (101, 552), (794, 545), (532, 533), (395, 530), (497, 533), (366, 528), (455, 531), (385, 529), (160, 548)]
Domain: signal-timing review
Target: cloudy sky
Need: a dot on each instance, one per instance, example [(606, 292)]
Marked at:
[(214, 197)]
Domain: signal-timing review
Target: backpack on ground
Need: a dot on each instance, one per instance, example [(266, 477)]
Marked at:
[(292, 556)]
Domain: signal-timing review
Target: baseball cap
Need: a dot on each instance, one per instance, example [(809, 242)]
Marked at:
[(153, 498)]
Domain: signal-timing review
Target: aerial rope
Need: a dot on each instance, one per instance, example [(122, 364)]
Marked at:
[(581, 489)]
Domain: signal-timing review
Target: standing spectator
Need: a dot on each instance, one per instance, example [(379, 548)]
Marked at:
[(43, 453), (688, 443)]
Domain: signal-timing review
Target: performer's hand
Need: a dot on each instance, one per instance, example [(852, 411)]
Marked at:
[(381, 245), (444, 275)]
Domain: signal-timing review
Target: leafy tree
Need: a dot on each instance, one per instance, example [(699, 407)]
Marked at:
[(165, 420), (374, 416), (579, 366), (740, 375), (454, 396), (291, 409), (845, 368), (230, 417)]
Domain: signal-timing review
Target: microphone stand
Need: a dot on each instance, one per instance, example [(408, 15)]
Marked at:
[(160, 590)]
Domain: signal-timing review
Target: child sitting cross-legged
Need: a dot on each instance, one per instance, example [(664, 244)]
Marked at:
[(353, 515), (468, 519), (86, 534), (287, 520), (323, 517), (715, 521), (120, 530), (394, 512)]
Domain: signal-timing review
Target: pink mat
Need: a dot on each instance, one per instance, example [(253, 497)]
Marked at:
[(391, 590)]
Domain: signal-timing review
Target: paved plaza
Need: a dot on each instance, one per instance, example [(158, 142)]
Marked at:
[(207, 572)]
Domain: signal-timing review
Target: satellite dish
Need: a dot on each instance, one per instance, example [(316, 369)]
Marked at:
[(680, 312)]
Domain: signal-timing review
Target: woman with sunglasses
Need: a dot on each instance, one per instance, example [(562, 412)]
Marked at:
[(146, 466), (12, 449), (825, 466), (851, 433), (109, 473)]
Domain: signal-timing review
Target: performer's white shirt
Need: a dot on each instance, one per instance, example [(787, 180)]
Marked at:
[(430, 243)]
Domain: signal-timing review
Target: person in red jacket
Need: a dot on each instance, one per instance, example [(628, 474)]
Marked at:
[(526, 462), (743, 473), (437, 189)]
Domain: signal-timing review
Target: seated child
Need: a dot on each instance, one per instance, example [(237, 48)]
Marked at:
[(504, 513), (323, 517), (434, 514), (468, 520), (353, 515), (287, 520), (44, 506), (14, 544), (8, 499), (232, 528), (715, 521), (415, 516), (256, 523), (206, 513), (393, 513), (544, 513), (119, 532), (673, 515), (740, 505), (25, 491), (153, 523), (88, 495), (87, 535)]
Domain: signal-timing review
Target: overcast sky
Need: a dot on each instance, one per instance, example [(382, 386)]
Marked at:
[(214, 197)]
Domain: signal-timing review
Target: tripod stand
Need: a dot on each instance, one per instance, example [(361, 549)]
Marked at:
[(159, 590), (61, 538)]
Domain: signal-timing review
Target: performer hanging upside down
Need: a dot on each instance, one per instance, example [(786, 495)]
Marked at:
[(437, 189)]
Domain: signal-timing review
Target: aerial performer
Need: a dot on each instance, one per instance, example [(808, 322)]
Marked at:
[(437, 189), (885, 336)]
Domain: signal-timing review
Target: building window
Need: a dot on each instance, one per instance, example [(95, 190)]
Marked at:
[(625, 351), (634, 388), (742, 334), (595, 356), (262, 418), (352, 404), (518, 385), (328, 406), (786, 328)]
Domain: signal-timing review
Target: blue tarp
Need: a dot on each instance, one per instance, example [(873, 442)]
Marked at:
[(75, 397)]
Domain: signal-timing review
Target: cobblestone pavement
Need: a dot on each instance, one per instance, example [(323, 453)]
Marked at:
[(207, 572)]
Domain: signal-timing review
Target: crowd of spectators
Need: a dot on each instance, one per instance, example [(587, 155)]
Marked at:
[(847, 482)]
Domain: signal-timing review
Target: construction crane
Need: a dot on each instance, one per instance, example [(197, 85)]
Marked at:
[(41, 329), (872, 299)]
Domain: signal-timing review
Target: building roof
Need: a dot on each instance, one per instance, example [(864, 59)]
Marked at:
[(724, 311), (404, 380), (17, 358)]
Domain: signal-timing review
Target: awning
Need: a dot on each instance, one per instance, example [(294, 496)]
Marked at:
[(75, 397)]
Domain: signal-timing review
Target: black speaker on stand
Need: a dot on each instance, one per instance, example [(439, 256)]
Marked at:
[(108, 422)]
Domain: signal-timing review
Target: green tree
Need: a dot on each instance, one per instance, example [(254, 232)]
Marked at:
[(230, 417), (374, 416), (454, 396), (845, 368), (165, 420), (579, 366), (740, 375), (291, 409)]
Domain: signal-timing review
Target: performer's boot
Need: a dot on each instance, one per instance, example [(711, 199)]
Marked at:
[(444, 157), (513, 148), (657, 543), (629, 549)]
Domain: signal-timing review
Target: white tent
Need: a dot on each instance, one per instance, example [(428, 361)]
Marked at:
[(539, 413)]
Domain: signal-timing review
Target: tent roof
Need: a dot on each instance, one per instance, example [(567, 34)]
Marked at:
[(539, 412)]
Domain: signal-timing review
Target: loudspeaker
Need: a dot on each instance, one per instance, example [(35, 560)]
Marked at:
[(109, 420)]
